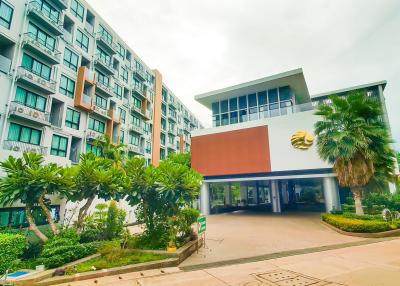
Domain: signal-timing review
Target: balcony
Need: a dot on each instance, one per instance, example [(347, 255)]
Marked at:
[(35, 116), (138, 91), (93, 135), (55, 26), (171, 146), (137, 129), (172, 116), (148, 114), (136, 149), (136, 109), (31, 43), (172, 131), (89, 28), (104, 65), (104, 89), (100, 111), (139, 74), (5, 64), (29, 78), (62, 4), (173, 104), (106, 43), (24, 147), (114, 115), (84, 89)]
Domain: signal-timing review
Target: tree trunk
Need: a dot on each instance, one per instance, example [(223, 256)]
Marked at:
[(32, 225), (83, 212), (47, 212), (357, 200)]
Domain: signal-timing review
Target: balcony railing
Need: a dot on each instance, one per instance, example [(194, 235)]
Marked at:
[(148, 114), (137, 129), (171, 146), (137, 109), (139, 74), (48, 86), (138, 90), (53, 24), (24, 147), (100, 111), (5, 64), (61, 3), (106, 65), (33, 43), (93, 135), (172, 131), (89, 27), (108, 44), (104, 88), (18, 109), (136, 149), (114, 115)]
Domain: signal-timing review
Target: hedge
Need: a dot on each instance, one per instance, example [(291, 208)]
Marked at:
[(357, 224), (11, 248)]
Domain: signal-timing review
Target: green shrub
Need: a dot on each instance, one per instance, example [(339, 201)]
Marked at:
[(185, 219), (357, 224), (115, 221), (11, 248), (363, 217)]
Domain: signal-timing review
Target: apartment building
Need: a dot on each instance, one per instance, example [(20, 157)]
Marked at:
[(261, 153), (66, 78)]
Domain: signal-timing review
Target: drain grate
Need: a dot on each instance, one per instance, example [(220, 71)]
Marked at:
[(277, 275), (298, 281)]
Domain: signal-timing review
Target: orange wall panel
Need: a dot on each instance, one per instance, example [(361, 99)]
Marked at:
[(244, 151)]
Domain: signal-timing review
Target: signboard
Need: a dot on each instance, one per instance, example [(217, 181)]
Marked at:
[(201, 224)]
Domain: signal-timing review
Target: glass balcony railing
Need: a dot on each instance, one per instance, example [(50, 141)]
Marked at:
[(135, 149), (138, 90), (86, 99)]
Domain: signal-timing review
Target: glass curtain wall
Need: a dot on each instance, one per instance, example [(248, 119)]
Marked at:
[(263, 104)]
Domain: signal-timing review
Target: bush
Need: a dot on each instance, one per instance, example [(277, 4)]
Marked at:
[(357, 224), (11, 248), (115, 221), (185, 219)]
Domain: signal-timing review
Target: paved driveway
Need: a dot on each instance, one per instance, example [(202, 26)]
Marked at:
[(244, 234)]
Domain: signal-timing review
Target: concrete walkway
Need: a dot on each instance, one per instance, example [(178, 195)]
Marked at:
[(240, 235), (376, 264)]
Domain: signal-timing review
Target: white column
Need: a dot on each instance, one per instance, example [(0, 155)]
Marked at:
[(205, 199), (331, 194), (276, 202)]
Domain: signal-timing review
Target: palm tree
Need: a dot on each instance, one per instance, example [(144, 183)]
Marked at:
[(352, 137)]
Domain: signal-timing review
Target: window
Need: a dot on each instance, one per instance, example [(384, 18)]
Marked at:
[(215, 108), (97, 125), (121, 50), (30, 99), (82, 40), (6, 14), (262, 98), (118, 91), (72, 119), (233, 104), (122, 114), (94, 149), (285, 93), (102, 78), (252, 100), (137, 102), (242, 102), (77, 9), (101, 102), (71, 59), (122, 137), (134, 139), (136, 120), (24, 134), (42, 37), (36, 67), (59, 146), (103, 55), (67, 86), (124, 74), (162, 138), (224, 106), (105, 34), (48, 10), (148, 147), (273, 95)]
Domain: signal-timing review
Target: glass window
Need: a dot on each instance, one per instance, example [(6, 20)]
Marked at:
[(94, 149), (122, 137), (243, 115), (286, 107), (224, 106), (102, 78), (101, 102), (285, 93), (252, 100), (72, 119), (233, 104), (224, 119), (136, 121), (6, 14), (242, 102), (124, 74), (71, 59), (121, 50), (253, 113), (24, 134), (262, 98), (233, 117), (42, 37), (274, 109), (134, 139), (105, 34), (36, 67), (137, 102), (216, 121), (264, 113), (118, 91), (77, 9), (97, 125), (103, 55), (273, 95), (67, 86), (82, 40), (59, 146), (215, 108), (122, 114), (48, 10), (30, 99)]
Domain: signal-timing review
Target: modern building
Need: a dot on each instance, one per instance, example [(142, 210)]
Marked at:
[(260, 152), (66, 78)]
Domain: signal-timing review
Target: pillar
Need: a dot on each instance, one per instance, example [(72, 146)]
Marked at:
[(228, 194), (331, 194), (205, 199), (276, 202)]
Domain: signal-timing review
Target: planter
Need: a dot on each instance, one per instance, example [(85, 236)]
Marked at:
[(389, 233)]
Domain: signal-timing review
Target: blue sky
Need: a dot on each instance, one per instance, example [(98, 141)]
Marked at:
[(203, 45)]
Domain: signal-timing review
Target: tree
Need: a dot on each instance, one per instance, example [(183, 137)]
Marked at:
[(29, 181), (96, 176), (352, 137)]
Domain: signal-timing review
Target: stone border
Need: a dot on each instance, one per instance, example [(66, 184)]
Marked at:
[(46, 278), (389, 233)]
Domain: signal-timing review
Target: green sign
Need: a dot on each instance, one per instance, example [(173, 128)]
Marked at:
[(201, 224)]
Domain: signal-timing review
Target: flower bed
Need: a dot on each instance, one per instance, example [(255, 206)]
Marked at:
[(358, 224)]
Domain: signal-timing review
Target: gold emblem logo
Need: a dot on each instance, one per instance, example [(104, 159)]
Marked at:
[(302, 140)]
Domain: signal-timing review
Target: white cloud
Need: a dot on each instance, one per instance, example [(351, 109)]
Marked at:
[(202, 45)]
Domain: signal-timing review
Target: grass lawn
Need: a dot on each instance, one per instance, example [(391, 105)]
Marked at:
[(126, 257)]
